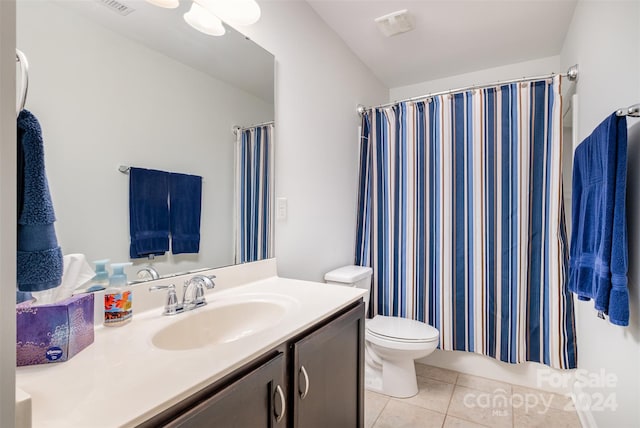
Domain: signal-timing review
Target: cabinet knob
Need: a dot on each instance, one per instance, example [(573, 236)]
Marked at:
[(303, 391), (283, 404)]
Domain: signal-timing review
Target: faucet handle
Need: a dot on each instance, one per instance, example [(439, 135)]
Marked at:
[(208, 282), (171, 306)]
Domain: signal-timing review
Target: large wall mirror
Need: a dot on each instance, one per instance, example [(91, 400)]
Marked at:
[(139, 89)]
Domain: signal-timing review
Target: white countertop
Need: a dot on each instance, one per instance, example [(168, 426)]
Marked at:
[(122, 379)]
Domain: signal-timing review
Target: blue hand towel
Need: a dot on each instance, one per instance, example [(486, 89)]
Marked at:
[(148, 212), (598, 255), (185, 198), (39, 258)]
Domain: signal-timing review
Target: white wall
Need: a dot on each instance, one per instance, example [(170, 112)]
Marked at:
[(104, 100), (534, 67), (319, 82), (7, 213), (604, 38)]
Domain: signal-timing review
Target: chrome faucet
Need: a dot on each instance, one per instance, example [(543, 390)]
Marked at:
[(147, 272), (192, 297)]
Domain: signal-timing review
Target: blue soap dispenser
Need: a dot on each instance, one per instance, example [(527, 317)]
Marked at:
[(101, 280), (118, 298)]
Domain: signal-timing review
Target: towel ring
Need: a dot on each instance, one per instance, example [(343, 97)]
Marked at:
[(24, 80)]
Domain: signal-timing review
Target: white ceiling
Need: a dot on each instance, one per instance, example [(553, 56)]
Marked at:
[(451, 37)]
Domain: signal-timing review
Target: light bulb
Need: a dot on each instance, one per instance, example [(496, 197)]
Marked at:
[(167, 4), (204, 21), (235, 12)]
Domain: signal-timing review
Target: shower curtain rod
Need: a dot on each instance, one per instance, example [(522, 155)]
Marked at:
[(572, 74), (237, 128)]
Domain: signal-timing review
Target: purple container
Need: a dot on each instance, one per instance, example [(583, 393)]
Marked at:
[(53, 333)]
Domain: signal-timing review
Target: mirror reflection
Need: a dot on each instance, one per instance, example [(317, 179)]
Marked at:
[(148, 91)]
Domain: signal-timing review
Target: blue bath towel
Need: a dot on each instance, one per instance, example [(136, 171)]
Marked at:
[(39, 258), (598, 255), (148, 212), (185, 194)]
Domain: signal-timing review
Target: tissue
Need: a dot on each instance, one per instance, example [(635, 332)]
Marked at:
[(55, 332), (77, 271)]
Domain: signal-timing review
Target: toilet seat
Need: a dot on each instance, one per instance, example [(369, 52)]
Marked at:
[(402, 330)]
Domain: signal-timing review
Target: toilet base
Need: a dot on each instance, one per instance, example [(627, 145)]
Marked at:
[(399, 378), (396, 379)]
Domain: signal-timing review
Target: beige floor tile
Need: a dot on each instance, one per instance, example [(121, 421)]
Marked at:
[(433, 395), (483, 407), (543, 398), (472, 402), (453, 422), (544, 418), (397, 414), (436, 373), (482, 383), (373, 405)]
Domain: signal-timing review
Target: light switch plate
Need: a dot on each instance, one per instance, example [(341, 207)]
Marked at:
[(281, 209)]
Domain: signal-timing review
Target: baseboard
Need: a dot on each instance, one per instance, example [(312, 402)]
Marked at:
[(584, 412)]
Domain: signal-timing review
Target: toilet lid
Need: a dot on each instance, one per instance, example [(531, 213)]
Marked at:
[(402, 329)]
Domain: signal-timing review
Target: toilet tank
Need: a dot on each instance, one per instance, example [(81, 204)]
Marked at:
[(352, 276)]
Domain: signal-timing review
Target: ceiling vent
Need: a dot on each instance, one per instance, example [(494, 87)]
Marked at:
[(117, 7), (395, 23)]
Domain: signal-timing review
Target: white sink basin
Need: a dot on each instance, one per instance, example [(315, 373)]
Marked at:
[(221, 322)]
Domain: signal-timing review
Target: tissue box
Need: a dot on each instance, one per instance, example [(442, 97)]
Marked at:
[(53, 333)]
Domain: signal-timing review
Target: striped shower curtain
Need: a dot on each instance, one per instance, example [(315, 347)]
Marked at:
[(254, 194), (461, 218)]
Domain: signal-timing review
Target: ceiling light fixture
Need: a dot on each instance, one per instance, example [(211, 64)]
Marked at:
[(207, 15), (395, 23), (203, 20)]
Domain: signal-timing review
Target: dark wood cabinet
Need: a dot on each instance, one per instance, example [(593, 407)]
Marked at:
[(315, 379), (328, 374), (256, 400)]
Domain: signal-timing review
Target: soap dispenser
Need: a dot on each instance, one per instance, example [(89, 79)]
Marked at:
[(118, 298), (101, 280)]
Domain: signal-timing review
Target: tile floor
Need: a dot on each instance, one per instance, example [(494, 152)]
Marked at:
[(450, 399)]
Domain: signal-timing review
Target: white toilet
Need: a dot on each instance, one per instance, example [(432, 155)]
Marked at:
[(391, 343)]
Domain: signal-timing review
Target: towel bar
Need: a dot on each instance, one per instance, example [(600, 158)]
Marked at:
[(631, 111), (125, 170)]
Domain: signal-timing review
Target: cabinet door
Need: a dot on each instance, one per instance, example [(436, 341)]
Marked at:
[(328, 374), (256, 400)]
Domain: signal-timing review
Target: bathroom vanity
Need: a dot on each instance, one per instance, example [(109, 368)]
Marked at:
[(312, 380), (265, 351)]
